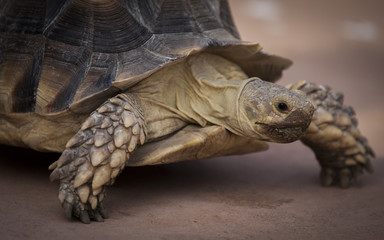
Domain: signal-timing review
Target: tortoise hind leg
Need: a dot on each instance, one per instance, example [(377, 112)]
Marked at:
[(96, 155), (343, 153)]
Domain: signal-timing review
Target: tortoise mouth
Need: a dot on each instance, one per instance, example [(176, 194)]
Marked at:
[(282, 133), (282, 126)]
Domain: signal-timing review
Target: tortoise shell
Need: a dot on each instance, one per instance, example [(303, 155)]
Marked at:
[(74, 54)]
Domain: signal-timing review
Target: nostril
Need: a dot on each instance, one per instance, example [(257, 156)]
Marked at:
[(283, 107)]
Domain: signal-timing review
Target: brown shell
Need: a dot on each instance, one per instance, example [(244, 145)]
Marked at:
[(74, 54)]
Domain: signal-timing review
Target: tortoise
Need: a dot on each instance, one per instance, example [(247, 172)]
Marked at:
[(115, 83)]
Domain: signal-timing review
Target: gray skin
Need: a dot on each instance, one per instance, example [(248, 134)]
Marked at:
[(282, 116)]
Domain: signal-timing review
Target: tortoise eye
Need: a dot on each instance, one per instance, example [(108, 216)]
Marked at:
[(283, 107)]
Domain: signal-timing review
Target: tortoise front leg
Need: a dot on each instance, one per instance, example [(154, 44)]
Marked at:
[(96, 155), (343, 153)]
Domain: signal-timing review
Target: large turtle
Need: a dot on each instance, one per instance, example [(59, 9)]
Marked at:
[(95, 79)]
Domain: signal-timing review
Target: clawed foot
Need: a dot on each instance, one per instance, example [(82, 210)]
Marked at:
[(344, 165), (342, 176), (81, 204), (82, 191), (340, 148), (96, 155)]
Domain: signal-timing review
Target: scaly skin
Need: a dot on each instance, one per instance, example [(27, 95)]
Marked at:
[(103, 145), (96, 155), (343, 153)]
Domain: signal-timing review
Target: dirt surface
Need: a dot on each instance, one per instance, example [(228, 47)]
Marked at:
[(270, 195)]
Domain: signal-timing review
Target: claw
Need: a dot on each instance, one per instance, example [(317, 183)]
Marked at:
[(97, 217), (326, 180), (84, 217), (345, 178), (356, 175), (67, 209), (327, 177), (103, 211)]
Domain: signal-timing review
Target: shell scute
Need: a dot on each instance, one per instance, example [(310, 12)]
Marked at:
[(78, 52)]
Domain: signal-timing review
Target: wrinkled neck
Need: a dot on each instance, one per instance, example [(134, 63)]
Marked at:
[(212, 92), (212, 102), (204, 89)]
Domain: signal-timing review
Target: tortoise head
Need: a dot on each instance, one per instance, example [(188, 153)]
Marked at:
[(273, 113)]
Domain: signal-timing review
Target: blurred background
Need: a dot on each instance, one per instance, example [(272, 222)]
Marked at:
[(337, 43), (269, 195)]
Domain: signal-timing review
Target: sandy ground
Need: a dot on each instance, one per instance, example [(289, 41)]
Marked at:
[(270, 195)]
